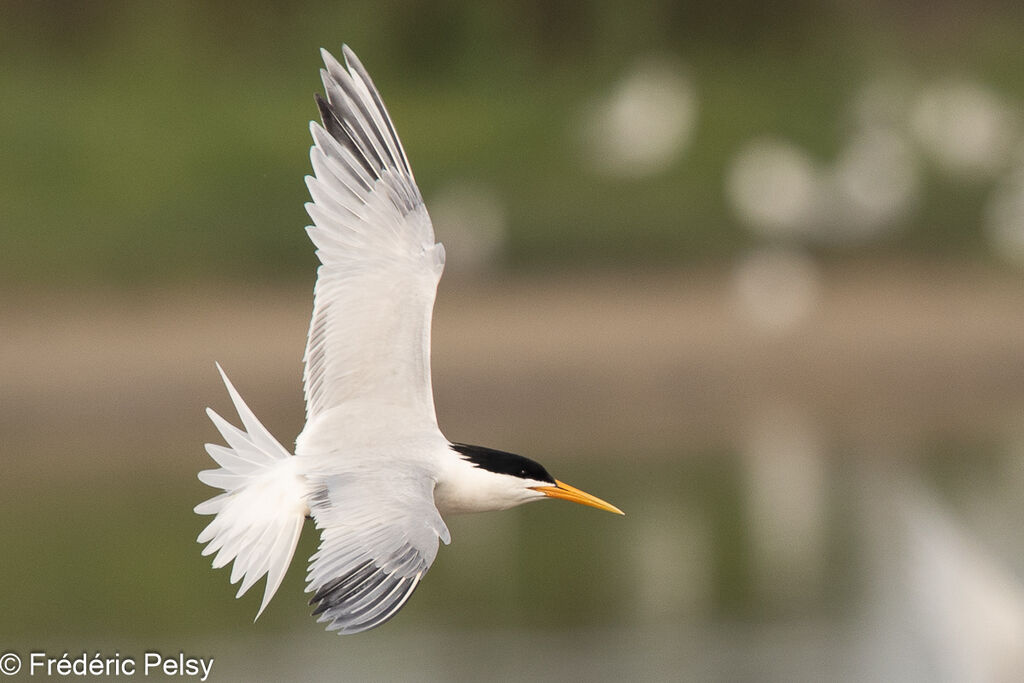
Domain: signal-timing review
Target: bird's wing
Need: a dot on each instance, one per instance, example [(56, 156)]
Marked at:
[(369, 339), (379, 535)]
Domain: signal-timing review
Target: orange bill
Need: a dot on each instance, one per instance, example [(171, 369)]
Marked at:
[(570, 493)]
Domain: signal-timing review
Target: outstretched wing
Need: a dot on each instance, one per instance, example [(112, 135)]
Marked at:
[(369, 339), (367, 376), (378, 538)]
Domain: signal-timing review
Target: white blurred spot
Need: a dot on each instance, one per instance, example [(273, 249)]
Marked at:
[(1004, 217), (965, 127), (873, 185), (471, 221), (642, 126), (778, 191), (776, 288), (772, 186), (971, 609), (939, 605), (786, 491)]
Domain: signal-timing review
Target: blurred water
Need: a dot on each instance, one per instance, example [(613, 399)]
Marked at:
[(836, 499), (788, 561)]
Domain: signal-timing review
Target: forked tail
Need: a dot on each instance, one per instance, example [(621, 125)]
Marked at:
[(260, 514)]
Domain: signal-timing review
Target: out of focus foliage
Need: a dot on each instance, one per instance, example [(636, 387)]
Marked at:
[(147, 142)]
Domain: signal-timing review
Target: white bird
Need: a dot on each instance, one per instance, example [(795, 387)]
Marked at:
[(371, 466)]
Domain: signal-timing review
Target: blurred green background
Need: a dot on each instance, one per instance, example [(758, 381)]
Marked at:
[(752, 272)]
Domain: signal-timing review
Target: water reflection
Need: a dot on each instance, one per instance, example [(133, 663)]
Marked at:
[(803, 525), (672, 571), (786, 558), (1004, 216), (786, 501), (846, 568), (942, 603), (776, 289)]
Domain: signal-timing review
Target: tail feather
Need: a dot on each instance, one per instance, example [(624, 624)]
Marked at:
[(260, 514)]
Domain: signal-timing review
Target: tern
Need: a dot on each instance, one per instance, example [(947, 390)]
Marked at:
[(370, 467)]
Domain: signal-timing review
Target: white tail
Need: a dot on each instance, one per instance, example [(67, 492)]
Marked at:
[(261, 512)]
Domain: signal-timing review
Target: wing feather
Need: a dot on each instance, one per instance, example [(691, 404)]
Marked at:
[(378, 538), (369, 338), (367, 374)]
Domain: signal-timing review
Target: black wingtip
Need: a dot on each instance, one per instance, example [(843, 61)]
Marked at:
[(326, 115), (332, 121)]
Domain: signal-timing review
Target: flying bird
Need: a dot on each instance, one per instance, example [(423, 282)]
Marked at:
[(371, 467)]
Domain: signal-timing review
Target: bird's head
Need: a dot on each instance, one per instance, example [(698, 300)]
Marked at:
[(521, 480)]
